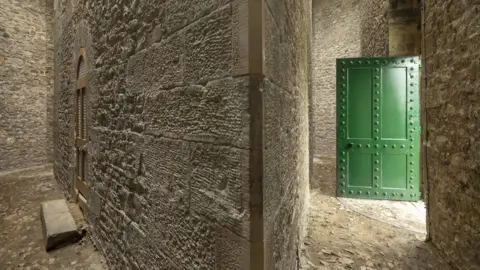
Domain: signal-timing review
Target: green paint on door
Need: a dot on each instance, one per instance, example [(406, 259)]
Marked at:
[(378, 128)]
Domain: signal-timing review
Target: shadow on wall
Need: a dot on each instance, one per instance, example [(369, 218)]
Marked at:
[(373, 28), (49, 21)]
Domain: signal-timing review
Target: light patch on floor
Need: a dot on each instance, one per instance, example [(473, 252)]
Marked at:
[(407, 215)]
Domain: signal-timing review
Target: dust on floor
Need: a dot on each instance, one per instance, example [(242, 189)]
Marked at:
[(21, 231), (340, 238)]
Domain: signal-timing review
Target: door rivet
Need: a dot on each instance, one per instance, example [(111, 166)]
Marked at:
[(402, 146)]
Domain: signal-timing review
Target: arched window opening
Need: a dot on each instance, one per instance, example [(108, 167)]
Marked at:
[(81, 129)]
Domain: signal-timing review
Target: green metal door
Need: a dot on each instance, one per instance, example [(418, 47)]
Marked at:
[(378, 128)]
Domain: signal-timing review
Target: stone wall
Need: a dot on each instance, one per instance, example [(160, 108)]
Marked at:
[(175, 118), (168, 130), (286, 130), (26, 83), (451, 65), (340, 29)]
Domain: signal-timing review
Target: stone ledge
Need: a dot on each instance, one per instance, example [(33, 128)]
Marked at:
[(58, 225)]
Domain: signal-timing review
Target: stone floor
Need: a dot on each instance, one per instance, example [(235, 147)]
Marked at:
[(20, 227), (408, 215), (356, 234)]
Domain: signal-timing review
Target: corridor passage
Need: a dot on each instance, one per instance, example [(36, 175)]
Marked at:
[(340, 238)]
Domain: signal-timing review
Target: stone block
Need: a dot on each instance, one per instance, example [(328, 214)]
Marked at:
[(213, 113), (208, 45), (58, 225)]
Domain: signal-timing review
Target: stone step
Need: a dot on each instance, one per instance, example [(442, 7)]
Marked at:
[(58, 226)]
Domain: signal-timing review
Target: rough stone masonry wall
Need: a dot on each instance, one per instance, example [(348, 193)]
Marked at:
[(26, 83), (286, 132), (452, 70), (168, 130), (341, 28)]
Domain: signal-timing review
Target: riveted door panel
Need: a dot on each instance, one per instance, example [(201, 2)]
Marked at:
[(378, 128)]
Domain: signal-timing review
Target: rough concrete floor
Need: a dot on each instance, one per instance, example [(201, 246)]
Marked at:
[(21, 240), (339, 238)]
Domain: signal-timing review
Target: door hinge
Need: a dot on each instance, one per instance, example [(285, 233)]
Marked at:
[(419, 63)]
